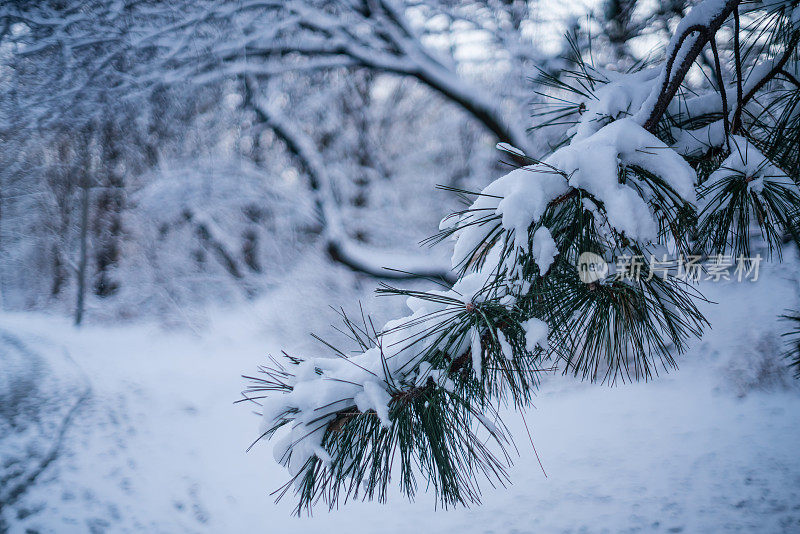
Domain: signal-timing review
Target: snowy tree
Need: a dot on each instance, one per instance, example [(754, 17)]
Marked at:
[(143, 81), (692, 156)]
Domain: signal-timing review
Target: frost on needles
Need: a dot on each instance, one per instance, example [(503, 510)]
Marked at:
[(647, 169)]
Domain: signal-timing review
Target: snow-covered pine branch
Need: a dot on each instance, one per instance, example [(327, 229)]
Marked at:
[(623, 182)]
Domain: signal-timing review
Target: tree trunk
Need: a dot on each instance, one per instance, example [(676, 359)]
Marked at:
[(84, 237), (107, 217)]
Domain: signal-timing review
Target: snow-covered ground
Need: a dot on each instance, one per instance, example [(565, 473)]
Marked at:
[(159, 446)]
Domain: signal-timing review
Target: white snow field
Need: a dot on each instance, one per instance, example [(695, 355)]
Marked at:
[(157, 445)]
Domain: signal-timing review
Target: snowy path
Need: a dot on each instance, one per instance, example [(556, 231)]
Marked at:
[(159, 447)]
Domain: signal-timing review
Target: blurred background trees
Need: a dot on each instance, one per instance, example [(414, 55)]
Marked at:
[(159, 155)]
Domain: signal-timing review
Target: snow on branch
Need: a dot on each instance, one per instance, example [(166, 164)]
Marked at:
[(691, 35), (375, 262), (619, 187), (385, 42)]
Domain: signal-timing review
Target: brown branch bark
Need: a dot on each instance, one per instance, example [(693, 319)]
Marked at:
[(671, 82)]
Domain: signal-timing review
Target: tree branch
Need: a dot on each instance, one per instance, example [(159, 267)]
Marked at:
[(737, 56), (671, 83), (774, 71), (377, 263), (722, 91), (786, 74)]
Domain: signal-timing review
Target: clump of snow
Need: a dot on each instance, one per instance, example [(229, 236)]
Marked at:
[(520, 197), (619, 98), (374, 397), (476, 351), (593, 165), (505, 147), (536, 332), (526, 194), (544, 249), (748, 163), (505, 346), (698, 141)]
